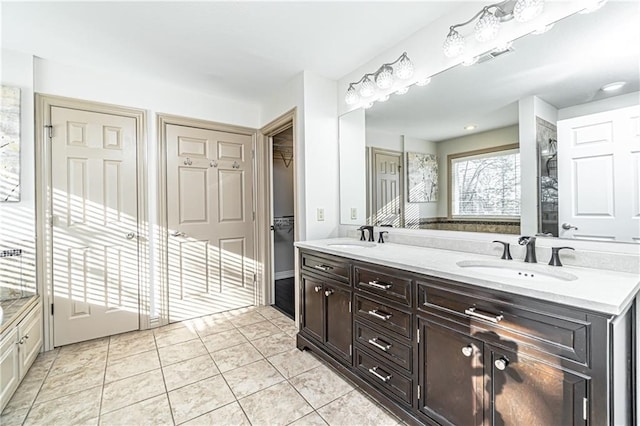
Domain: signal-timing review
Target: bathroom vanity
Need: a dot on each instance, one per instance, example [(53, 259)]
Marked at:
[(446, 337)]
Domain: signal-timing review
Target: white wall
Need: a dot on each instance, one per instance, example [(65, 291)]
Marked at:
[(384, 140), (353, 191), (17, 219), (482, 140)]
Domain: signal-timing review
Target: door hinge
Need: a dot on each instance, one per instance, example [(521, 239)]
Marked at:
[(52, 309), (585, 408), (255, 278), (418, 391), (49, 128), (253, 215), (418, 335), (350, 350)]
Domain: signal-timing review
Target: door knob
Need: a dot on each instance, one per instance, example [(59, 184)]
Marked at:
[(501, 363), (131, 235), (178, 234), (467, 350), (318, 288), (328, 292), (568, 226)]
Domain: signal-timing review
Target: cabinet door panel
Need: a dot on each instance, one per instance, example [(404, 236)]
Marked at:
[(9, 366), (452, 381), (531, 392), (30, 333), (338, 316), (312, 307)]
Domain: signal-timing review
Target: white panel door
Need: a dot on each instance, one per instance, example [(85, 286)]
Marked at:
[(95, 256), (599, 176), (210, 222), (387, 201)]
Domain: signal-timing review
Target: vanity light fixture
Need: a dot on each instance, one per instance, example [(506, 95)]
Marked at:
[(384, 78), (612, 87), (489, 20)]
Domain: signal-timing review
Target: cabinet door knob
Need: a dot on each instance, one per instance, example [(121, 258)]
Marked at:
[(328, 292), (317, 288), (467, 350), (501, 363)]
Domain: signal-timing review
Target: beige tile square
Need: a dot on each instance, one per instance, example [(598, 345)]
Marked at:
[(246, 318), (286, 325), (124, 347), (252, 378), (77, 408), (181, 352), (236, 356), (75, 358), (59, 385), (24, 396), (355, 408), (279, 404), (131, 390), (211, 324), (293, 362), (175, 335), (320, 386), (199, 398), (229, 415), (189, 371), (223, 340), (312, 419), (135, 335), (153, 411), (131, 365), (270, 312), (259, 330), (272, 345), (13, 418)]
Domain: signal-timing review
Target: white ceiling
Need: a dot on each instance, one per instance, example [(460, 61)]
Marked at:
[(244, 50)]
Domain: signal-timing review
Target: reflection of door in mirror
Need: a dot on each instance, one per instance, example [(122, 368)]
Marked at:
[(386, 188), (599, 166)]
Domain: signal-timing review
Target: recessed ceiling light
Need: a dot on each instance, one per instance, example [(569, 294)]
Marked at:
[(470, 127), (613, 86)]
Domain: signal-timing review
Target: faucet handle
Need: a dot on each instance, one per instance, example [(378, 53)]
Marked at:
[(506, 253), (524, 240), (380, 239), (555, 255), (361, 229)]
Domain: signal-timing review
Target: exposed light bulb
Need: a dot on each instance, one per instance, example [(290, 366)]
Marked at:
[(402, 90), (404, 68), (611, 87), (367, 88), (423, 81), (384, 77), (453, 44), (351, 97), (367, 105), (383, 98), (526, 10), (593, 5), (487, 27)]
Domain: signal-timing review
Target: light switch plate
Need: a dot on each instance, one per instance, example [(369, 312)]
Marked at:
[(320, 214), (354, 213)]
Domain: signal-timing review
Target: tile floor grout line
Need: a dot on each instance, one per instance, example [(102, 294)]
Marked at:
[(164, 381), (104, 379), (39, 388)]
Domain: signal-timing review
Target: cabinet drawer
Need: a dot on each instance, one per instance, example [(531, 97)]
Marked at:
[(329, 266), (383, 345), (384, 315), (385, 285), (560, 332), (382, 376)]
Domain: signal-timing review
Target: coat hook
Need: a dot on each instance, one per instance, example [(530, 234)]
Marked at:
[(236, 165), (188, 162), (213, 163)]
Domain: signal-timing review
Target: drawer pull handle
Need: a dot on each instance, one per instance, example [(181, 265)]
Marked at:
[(384, 347), (323, 267), (380, 285), (317, 288), (374, 371), (487, 317), (380, 315)]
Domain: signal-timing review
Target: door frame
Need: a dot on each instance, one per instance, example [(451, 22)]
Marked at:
[(161, 234), (264, 156), (371, 183), (44, 202)]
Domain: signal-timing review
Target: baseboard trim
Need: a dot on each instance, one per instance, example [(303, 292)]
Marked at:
[(284, 274)]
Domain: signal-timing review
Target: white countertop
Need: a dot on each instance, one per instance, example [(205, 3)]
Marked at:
[(598, 290)]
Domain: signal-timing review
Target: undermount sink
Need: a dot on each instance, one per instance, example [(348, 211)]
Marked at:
[(353, 245), (527, 271)]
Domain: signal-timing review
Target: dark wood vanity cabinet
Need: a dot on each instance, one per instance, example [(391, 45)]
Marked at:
[(436, 351)]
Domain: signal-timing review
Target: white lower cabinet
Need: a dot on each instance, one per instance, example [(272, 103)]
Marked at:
[(19, 347)]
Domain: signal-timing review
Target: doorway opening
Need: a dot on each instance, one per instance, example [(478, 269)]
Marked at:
[(283, 220)]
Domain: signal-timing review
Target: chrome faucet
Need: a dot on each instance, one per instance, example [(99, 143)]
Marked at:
[(369, 230), (530, 244)]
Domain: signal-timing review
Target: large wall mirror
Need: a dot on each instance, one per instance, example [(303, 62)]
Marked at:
[(526, 141)]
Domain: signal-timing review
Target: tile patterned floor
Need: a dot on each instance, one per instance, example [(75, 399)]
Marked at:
[(235, 368)]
